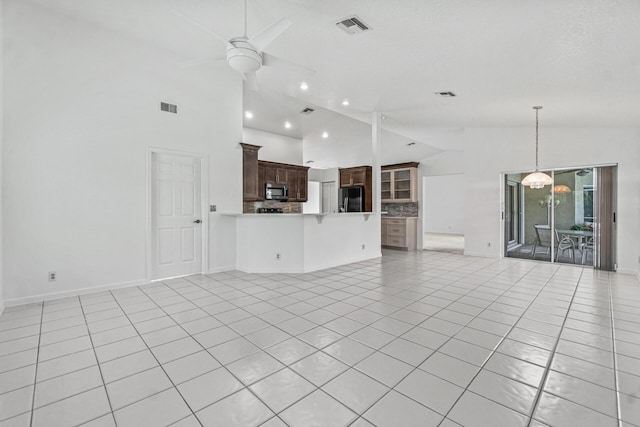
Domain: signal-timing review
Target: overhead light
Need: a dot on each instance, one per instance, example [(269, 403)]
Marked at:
[(287, 125), (248, 114), (325, 134), (345, 102), (304, 86), (383, 117), (561, 189), (537, 179)]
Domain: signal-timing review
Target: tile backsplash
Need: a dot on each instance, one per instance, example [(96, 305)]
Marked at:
[(401, 209), (287, 207)]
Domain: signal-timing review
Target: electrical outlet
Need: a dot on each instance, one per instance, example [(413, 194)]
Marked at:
[(489, 244), (363, 246), (277, 255), (52, 276), (213, 208)]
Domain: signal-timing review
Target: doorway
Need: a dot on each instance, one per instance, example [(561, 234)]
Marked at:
[(176, 216), (571, 221)]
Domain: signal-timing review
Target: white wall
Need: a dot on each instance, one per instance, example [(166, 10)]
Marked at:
[(1, 147), (83, 108), (488, 152), (443, 204), (275, 148), (312, 205)]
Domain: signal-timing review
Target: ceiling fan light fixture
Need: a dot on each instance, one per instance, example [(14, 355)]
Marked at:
[(243, 57), (537, 179)]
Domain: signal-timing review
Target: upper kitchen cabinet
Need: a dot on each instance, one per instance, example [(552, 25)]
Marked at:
[(360, 176), (295, 177), (354, 177), (399, 183), (250, 183)]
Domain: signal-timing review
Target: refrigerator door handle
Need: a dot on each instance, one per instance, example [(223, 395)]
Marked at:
[(346, 204)]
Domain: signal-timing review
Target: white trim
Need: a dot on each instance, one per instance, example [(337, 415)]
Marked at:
[(1, 308), (204, 206), (306, 269), (481, 254), (221, 269), (73, 292), (627, 271)]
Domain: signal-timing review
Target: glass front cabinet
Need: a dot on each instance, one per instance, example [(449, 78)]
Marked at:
[(398, 183)]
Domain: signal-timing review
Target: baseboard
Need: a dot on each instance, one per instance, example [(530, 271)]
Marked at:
[(340, 263), (221, 269), (627, 271), (479, 254), (305, 268), (73, 292)]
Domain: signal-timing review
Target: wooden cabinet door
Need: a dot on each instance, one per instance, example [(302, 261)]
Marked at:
[(291, 183), (345, 178), (282, 175), (302, 180), (385, 186), (261, 182), (358, 177), (270, 174), (249, 174)]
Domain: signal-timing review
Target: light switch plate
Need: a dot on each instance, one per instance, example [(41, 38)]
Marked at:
[(213, 208)]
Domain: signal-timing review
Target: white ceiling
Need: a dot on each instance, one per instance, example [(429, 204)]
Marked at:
[(580, 59)]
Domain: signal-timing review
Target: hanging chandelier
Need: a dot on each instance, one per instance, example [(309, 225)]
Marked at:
[(537, 179)]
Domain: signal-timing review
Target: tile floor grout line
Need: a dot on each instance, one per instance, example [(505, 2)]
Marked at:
[(494, 351), (615, 353), (449, 339), (35, 376), (552, 356), (93, 347), (156, 359)]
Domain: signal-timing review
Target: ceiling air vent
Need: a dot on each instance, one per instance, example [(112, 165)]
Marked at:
[(169, 108), (445, 94), (352, 25), (307, 111)]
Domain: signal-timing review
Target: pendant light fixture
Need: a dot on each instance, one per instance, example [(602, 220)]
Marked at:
[(537, 179)]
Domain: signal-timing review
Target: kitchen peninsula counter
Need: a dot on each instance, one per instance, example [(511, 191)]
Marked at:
[(300, 243)]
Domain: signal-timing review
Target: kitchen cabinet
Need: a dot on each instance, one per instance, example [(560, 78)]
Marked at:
[(250, 182), (295, 177), (360, 176), (399, 233), (399, 183)]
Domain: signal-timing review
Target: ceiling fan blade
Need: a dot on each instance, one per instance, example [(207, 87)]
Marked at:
[(201, 26), (252, 81), (202, 61), (275, 61), (261, 40)]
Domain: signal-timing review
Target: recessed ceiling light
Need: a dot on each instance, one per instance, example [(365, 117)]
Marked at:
[(325, 134), (345, 102), (248, 114), (287, 125), (304, 86), (383, 117)]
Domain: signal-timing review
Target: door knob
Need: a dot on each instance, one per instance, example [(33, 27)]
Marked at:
[(197, 221)]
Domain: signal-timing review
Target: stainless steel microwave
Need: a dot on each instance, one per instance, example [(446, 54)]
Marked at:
[(276, 192)]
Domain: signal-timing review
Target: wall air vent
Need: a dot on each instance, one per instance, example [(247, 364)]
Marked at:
[(169, 108), (445, 94), (307, 111), (352, 25)]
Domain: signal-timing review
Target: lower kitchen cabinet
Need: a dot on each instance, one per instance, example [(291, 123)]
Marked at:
[(399, 233)]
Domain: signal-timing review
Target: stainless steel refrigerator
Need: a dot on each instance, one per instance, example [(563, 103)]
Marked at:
[(352, 199)]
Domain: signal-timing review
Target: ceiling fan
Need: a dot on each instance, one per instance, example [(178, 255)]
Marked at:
[(246, 54)]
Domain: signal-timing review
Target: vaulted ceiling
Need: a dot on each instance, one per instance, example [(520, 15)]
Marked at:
[(580, 59)]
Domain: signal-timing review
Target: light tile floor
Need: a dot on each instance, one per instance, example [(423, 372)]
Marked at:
[(412, 339)]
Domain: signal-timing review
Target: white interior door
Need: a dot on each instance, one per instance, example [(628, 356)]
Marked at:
[(176, 210), (329, 197)]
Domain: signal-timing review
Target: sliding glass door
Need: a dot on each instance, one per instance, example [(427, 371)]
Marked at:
[(571, 221)]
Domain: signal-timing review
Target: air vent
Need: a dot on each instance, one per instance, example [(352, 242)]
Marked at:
[(307, 111), (169, 108), (352, 25), (445, 94)]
